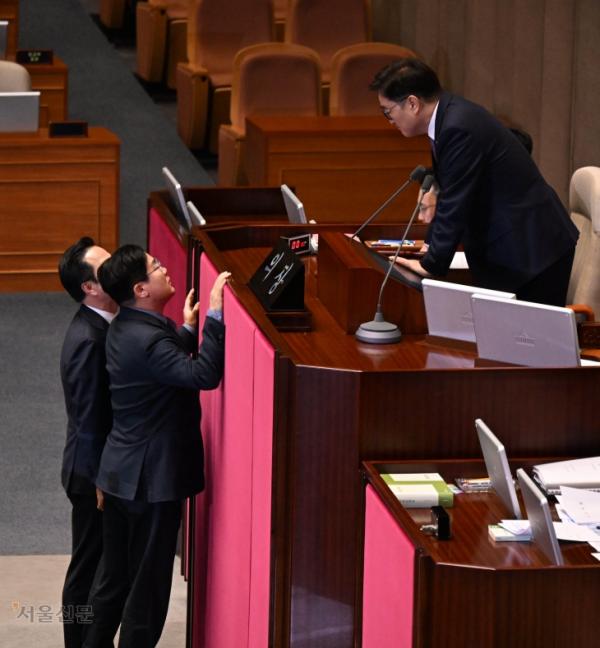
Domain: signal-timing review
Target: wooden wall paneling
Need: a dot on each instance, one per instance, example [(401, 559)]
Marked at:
[(479, 52), (554, 143), (586, 92)]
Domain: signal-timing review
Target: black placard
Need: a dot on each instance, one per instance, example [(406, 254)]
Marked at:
[(34, 57), (279, 281), (68, 129)]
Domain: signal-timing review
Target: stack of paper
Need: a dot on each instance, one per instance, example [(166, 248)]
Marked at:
[(577, 473)]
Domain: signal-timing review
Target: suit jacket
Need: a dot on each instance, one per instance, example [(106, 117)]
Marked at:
[(154, 451), (87, 399), (493, 199)]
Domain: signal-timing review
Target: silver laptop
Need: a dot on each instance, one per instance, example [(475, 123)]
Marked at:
[(180, 206), (525, 333), (448, 308), (293, 206), (538, 514), (19, 112), (498, 469), (3, 38)]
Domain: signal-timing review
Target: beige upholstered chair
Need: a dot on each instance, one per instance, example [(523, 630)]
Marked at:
[(14, 77), (217, 30), (328, 25), (270, 78), (161, 39), (584, 202), (353, 69)]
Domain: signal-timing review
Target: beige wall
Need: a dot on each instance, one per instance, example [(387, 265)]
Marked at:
[(536, 62)]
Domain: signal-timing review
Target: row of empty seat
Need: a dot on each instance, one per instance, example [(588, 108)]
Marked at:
[(285, 79)]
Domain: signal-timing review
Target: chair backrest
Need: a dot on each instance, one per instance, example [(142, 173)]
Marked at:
[(328, 25), (218, 29), (584, 203), (275, 79), (14, 77), (353, 69)]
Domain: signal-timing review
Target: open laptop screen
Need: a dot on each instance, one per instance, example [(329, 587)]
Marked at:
[(293, 205), (498, 469), (19, 112), (448, 308), (525, 333)]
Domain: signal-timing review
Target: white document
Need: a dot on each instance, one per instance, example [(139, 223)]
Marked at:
[(581, 505), (516, 527), (595, 545), (584, 473), (596, 556), (575, 532)]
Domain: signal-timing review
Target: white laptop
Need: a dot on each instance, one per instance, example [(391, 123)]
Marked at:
[(526, 333), (498, 469), (19, 112), (538, 514), (3, 38), (293, 206), (448, 308)]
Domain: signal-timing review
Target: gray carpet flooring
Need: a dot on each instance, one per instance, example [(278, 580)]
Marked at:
[(103, 92), (34, 511)]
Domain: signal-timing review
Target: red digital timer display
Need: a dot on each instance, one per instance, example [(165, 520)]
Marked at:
[(298, 244)]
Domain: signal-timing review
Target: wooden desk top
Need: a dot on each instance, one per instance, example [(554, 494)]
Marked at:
[(242, 249), (470, 545), (96, 135)]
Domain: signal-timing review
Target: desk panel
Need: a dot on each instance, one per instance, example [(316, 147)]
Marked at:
[(54, 190), (342, 168)]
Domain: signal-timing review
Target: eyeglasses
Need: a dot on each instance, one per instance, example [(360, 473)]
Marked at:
[(156, 265), (387, 112)]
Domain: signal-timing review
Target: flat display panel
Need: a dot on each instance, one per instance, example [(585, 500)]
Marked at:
[(19, 112)]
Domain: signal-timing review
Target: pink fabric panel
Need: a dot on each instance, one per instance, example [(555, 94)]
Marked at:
[(212, 424), (163, 245), (228, 584), (262, 453), (388, 579), (233, 515)]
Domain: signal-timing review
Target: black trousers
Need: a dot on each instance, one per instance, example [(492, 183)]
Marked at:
[(550, 286), (86, 526), (134, 584)]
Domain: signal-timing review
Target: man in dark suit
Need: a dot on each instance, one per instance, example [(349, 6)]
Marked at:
[(516, 234), (87, 398), (153, 457)]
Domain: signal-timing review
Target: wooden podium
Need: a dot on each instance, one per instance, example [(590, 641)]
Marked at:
[(294, 442), (469, 590)]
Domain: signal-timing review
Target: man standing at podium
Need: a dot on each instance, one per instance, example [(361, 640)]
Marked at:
[(516, 234), (153, 457)]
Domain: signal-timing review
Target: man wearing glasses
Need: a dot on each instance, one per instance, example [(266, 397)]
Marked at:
[(153, 457), (516, 234)]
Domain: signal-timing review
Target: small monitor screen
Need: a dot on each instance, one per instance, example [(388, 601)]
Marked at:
[(293, 206), (3, 38), (179, 204)]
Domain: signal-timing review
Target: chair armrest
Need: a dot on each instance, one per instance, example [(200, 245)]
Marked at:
[(583, 313)]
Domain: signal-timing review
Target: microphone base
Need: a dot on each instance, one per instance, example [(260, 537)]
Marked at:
[(378, 332)]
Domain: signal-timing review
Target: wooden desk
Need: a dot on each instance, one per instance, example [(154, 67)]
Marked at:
[(468, 591), (342, 168), (9, 10), (283, 464), (54, 190), (52, 81)]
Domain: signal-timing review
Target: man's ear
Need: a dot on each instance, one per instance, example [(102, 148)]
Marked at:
[(89, 288), (140, 291)]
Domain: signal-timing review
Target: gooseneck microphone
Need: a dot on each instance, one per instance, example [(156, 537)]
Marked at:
[(416, 175), (378, 331)]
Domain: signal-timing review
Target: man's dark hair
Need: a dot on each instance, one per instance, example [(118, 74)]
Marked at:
[(73, 270), (407, 76), (119, 273)]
